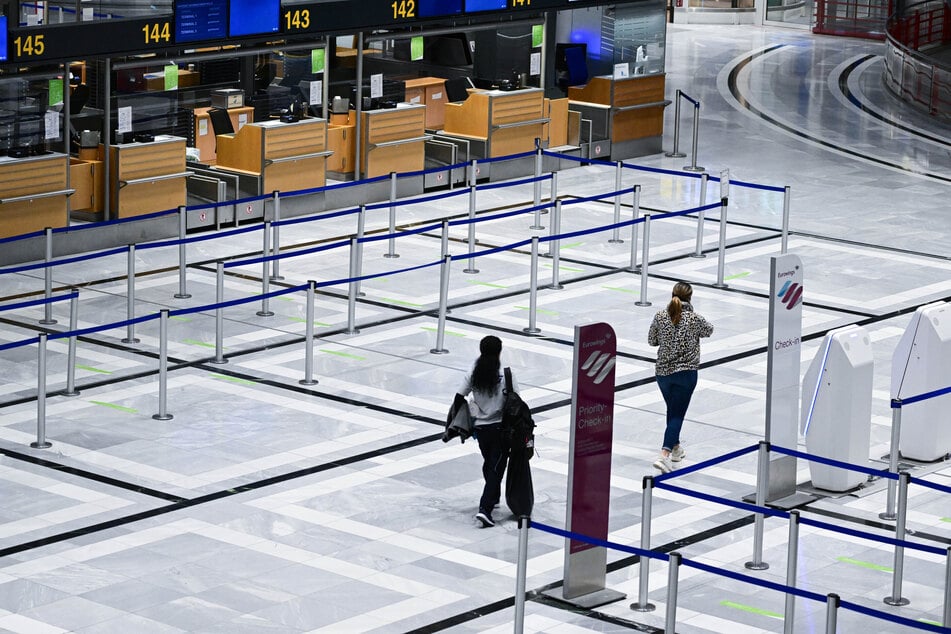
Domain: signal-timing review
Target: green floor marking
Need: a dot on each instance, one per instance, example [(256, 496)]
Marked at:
[(344, 354), (565, 268), (946, 519), (286, 298), (737, 276), (572, 245), (863, 564), (538, 310), (180, 318), (487, 284), (301, 320), (92, 369), (400, 302), (195, 342), (929, 622), (448, 332), (751, 609), (114, 406), (621, 290), (232, 379)]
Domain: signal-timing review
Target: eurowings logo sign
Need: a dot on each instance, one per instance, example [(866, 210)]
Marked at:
[(791, 294)]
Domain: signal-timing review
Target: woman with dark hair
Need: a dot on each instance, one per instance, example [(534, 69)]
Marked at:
[(677, 332), (485, 384)]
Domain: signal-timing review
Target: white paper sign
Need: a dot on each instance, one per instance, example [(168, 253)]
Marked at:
[(125, 119), (316, 92), (88, 14), (52, 125), (535, 64), (621, 71), (376, 86), (242, 120), (202, 127)]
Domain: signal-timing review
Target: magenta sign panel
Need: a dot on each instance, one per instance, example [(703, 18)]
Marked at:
[(592, 419)]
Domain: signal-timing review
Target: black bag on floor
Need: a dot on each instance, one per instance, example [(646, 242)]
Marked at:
[(519, 492)]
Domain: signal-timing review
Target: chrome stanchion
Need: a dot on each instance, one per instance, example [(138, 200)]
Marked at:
[(635, 216), (762, 486), (473, 172), (533, 291), (556, 249), (642, 604), (947, 590), (693, 167), (163, 367), (48, 280), (553, 231), (470, 268), (130, 296), (71, 354), (361, 228), (676, 153), (391, 248), (352, 293), (721, 245), (219, 314), (698, 253), (182, 230), (893, 456), (786, 196), (443, 305), (537, 186), (265, 278), (673, 573), (554, 186), (309, 337), (645, 258), (832, 612), (524, 523), (616, 232), (792, 561), (898, 569), (276, 245), (41, 442)]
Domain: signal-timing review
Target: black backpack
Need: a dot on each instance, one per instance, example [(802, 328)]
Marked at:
[(518, 428)]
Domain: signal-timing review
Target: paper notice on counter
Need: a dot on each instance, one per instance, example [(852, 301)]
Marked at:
[(51, 119), (316, 92), (376, 86), (202, 127), (622, 71), (535, 64), (125, 120)]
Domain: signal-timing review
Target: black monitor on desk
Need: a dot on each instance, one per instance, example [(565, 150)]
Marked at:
[(457, 89)]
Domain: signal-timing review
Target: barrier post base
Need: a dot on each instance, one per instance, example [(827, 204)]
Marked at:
[(694, 168), (698, 255), (186, 295), (752, 565), (639, 303), (900, 601), (470, 271), (531, 331), (132, 340), (306, 382), (41, 445), (675, 155), (643, 607), (438, 351), (162, 417)]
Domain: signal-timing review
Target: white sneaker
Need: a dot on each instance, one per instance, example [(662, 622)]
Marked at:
[(678, 454), (663, 464)]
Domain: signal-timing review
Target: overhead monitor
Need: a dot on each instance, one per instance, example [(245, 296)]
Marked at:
[(254, 17), (439, 8), (473, 6), (3, 38), (199, 20)]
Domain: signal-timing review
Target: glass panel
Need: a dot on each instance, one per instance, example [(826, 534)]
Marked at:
[(57, 12)]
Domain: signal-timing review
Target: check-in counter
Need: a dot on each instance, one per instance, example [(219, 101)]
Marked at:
[(502, 122), (32, 193), (205, 133), (393, 140), (430, 92), (147, 177), (627, 113), (282, 156)]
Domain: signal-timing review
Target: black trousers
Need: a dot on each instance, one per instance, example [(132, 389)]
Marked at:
[(494, 459)]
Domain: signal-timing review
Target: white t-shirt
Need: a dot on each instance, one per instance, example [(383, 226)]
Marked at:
[(486, 408)]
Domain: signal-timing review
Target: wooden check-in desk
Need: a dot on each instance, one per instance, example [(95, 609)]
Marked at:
[(32, 193), (430, 92), (147, 177), (504, 122), (205, 133), (393, 140), (629, 112), (284, 156)]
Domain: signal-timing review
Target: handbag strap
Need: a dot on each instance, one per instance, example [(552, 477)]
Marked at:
[(508, 380)]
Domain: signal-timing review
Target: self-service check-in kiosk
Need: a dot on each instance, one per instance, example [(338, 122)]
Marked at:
[(836, 412), (921, 364)]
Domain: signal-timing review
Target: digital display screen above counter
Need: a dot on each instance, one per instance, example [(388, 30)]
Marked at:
[(474, 6), (254, 17), (197, 20), (3, 38), (439, 8)]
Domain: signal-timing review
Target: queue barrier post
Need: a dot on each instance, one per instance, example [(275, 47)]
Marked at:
[(276, 237), (676, 153), (673, 574), (163, 367), (832, 612), (309, 336), (353, 288), (219, 313), (361, 230), (130, 296), (555, 247), (762, 486), (532, 328), (524, 523), (693, 167), (71, 350), (785, 232), (721, 245), (443, 305), (41, 442), (537, 189), (616, 232), (48, 278), (645, 258), (553, 231), (898, 568), (792, 561), (636, 204), (893, 455), (642, 604), (946, 621), (182, 255), (698, 252), (391, 243), (265, 277), (471, 238)]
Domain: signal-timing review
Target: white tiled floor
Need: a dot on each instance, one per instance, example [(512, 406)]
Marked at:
[(265, 505)]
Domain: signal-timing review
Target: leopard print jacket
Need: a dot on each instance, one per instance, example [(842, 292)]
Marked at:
[(679, 346)]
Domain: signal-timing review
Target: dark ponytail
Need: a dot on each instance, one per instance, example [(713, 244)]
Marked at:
[(485, 373), (682, 292), (674, 309)]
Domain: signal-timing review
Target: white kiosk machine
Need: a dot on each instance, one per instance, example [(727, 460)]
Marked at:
[(921, 364), (836, 414)]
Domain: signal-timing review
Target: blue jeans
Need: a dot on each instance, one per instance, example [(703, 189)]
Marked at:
[(677, 389), (494, 459)]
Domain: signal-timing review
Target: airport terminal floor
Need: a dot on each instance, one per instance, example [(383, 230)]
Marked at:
[(265, 505)]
